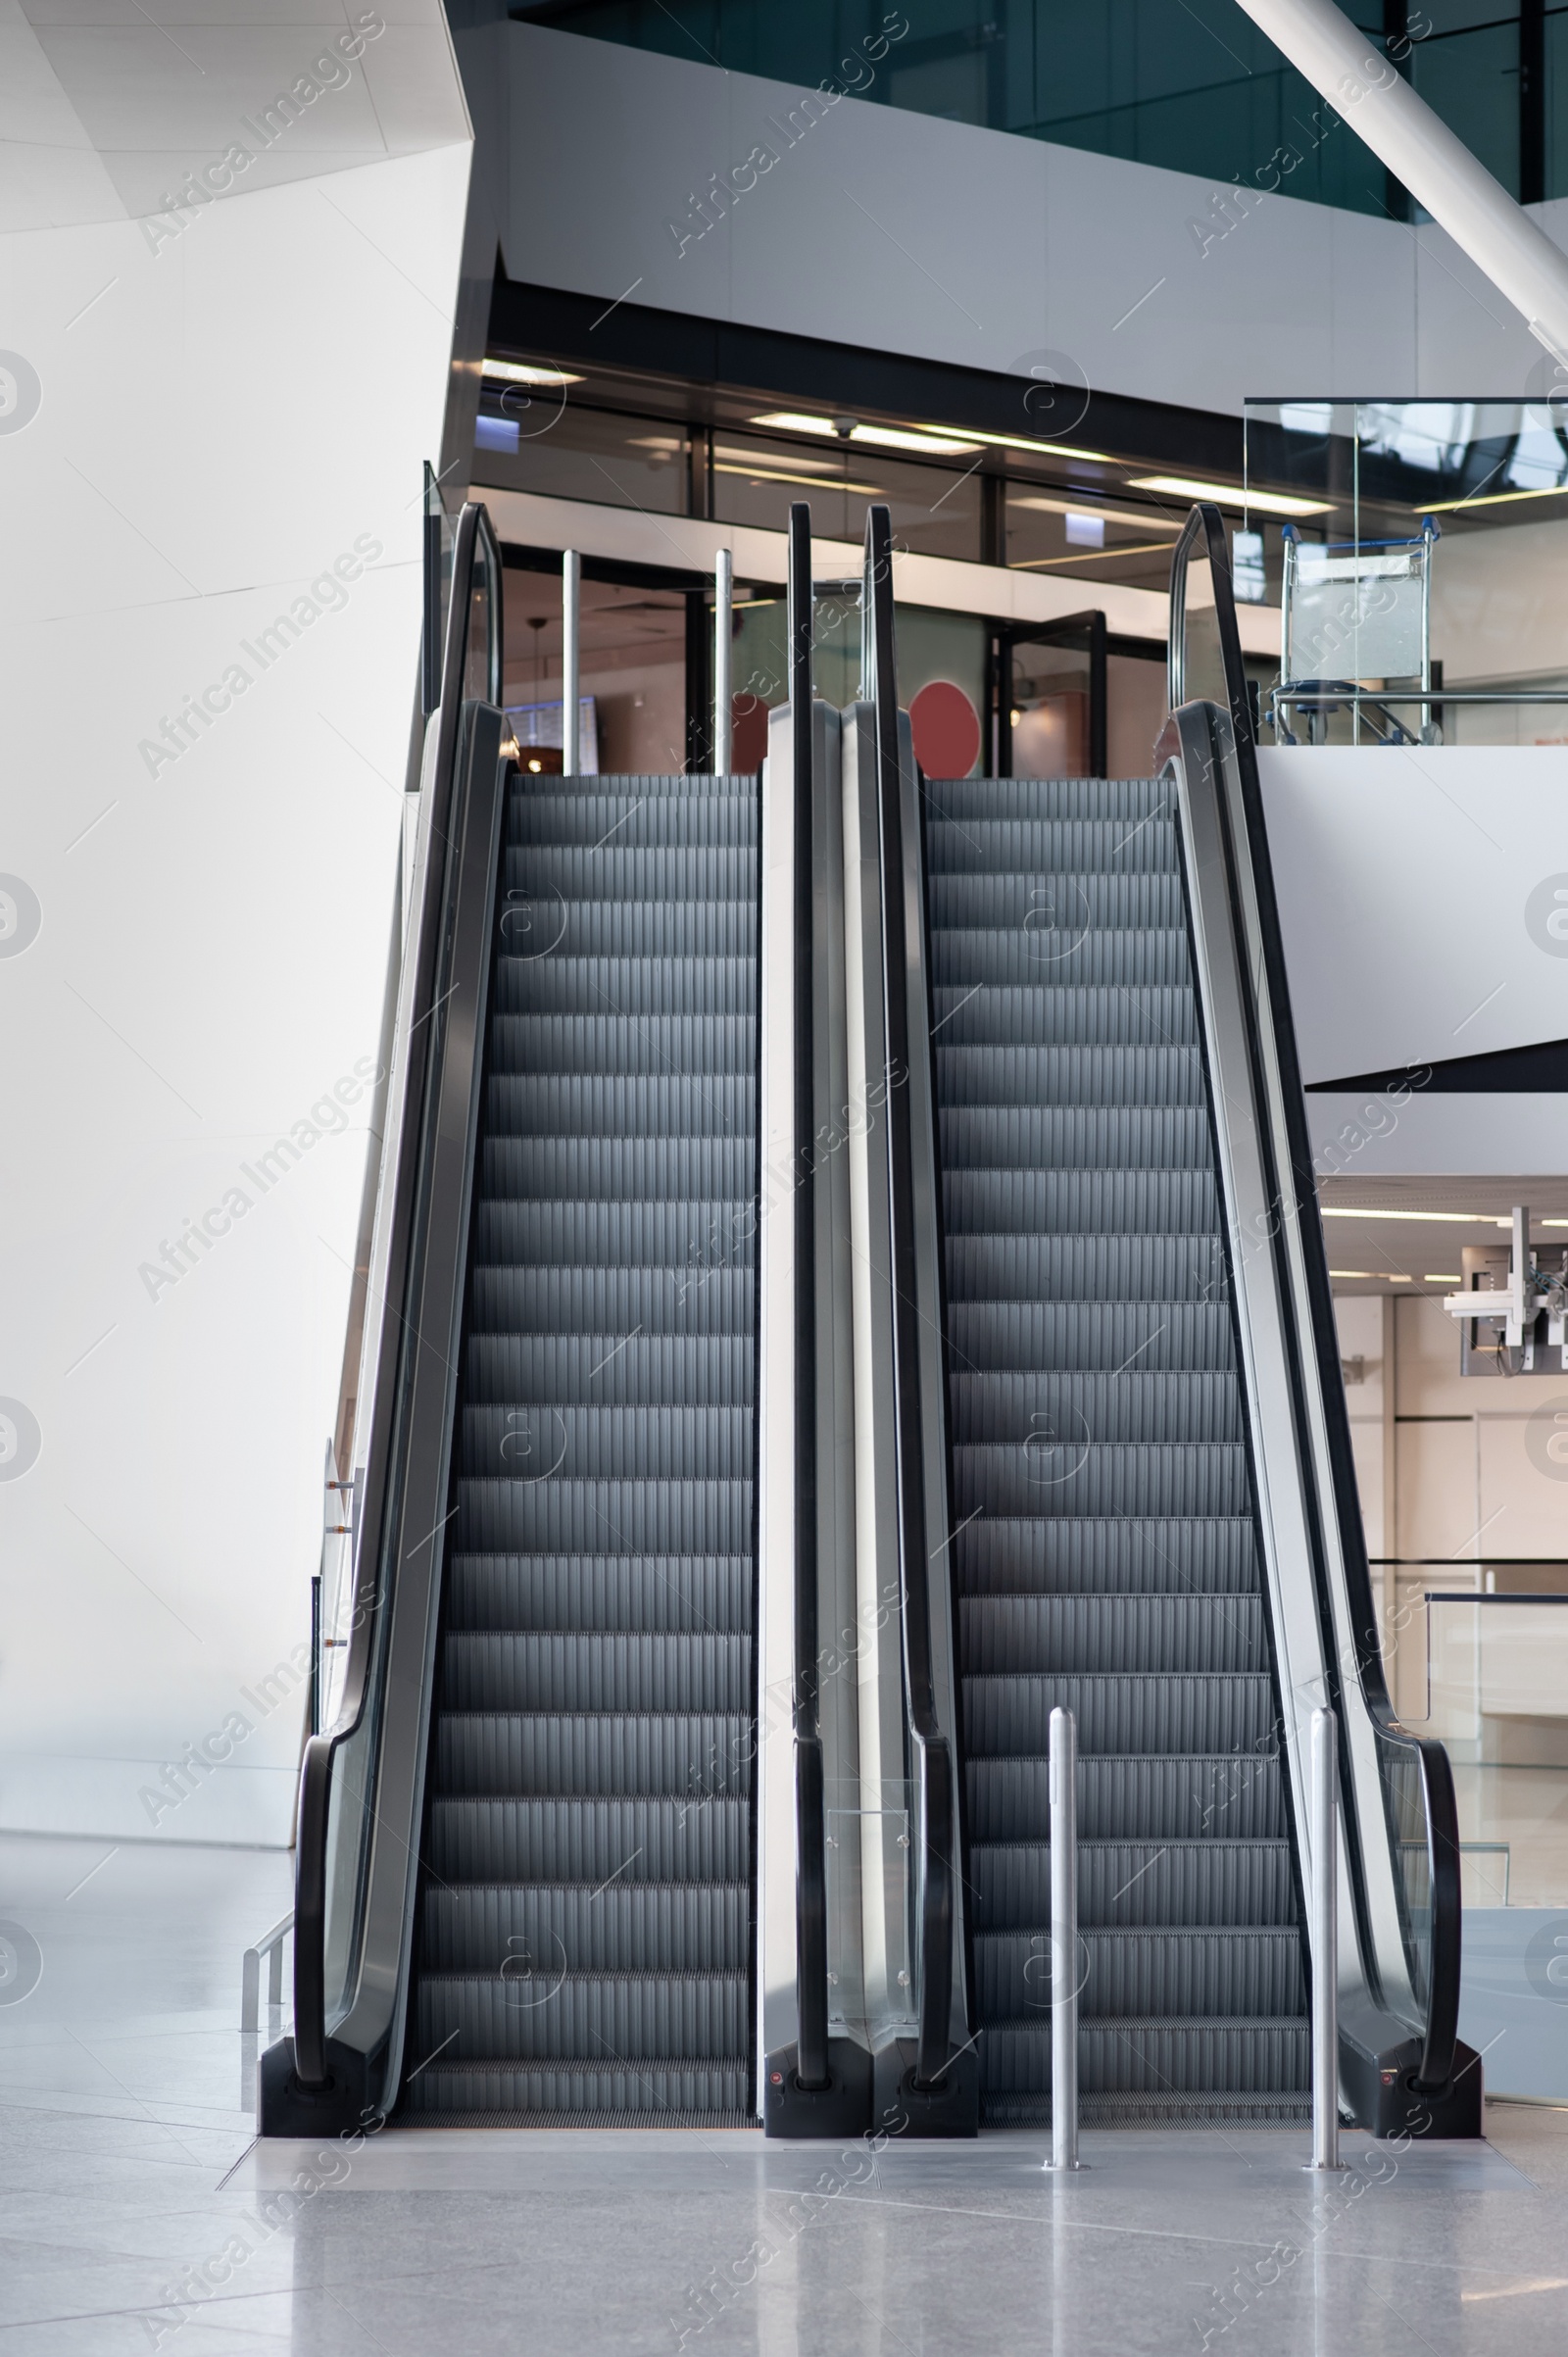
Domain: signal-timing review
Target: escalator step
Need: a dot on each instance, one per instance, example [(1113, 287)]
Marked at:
[(1051, 847), (1197, 1884), (1122, 1711), (658, 986), (1040, 1202), (976, 1014), (1160, 2058), (610, 2094), (563, 1838), (632, 821), (530, 1933), (644, 1170), (667, 1105), (625, 1302), (548, 1670), (677, 1370), (548, 923), (1086, 1268), (1064, 953), (689, 1758), (1057, 1336), (602, 1517), (1137, 1974), (1043, 1474), (1211, 1556), (1012, 798), (1013, 1635), (613, 874), (694, 1236), (1026, 904), (632, 2016), (980, 1136), (712, 1594), (1183, 1405), (606, 1444), (1069, 1076), (1226, 1796), (619, 1041)]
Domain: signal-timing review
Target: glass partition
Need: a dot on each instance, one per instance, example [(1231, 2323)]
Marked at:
[(1414, 552)]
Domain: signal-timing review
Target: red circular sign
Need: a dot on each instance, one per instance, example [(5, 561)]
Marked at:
[(946, 729)]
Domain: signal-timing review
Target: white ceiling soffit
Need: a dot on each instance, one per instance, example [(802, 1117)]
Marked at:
[(114, 109)]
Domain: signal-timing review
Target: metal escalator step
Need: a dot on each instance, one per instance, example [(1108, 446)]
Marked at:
[(1042, 847), (606, 1444), (1131, 1884), (707, 1593), (623, 1303), (577, 2017), (1039, 1014), (559, 1839), (602, 1517), (642, 1170), (1203, 1556), (543, 1669), (1069, 904), (1086, 1268), (1141, 1974), (619, 1040), (584, 1233), (549, 922), (1064, 953), (1225, 1796), (609, 1106), (530, 1933), (609, 2094), (1001, 798), (1140, 1077), (1097, 1337), (700, 785), (1134, 1403), (1122, 1711), (677, 1370), (612, 874), (1083, 1137), (1102, 1202), (1056, 1472), (556, 983), (686, 1756), (1126, 1634), (633, 820), (1158, 2058)]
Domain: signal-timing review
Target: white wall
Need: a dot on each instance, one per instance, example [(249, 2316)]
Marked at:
[(226, 414), (895, 232)]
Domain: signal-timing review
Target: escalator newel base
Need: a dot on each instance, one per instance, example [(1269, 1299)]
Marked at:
[(842, 2109), (950, 2107), (284, 2108), (1382, 2087)]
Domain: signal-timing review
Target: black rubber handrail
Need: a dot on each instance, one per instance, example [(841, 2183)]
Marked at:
[(475, 569), (810, 1828), (1203, 535), (937, 1810)]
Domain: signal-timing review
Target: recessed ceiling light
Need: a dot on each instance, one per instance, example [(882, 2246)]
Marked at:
[(878, 437), (1467, 1220), (519, 372), (1229, 495)]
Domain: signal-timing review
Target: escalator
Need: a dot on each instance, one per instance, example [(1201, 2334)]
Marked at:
[(847, 1278), (1106, 1559)]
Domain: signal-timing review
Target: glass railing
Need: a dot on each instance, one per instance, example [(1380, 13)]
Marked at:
[(1398, 1960), (357, 1837), (1410, 552)]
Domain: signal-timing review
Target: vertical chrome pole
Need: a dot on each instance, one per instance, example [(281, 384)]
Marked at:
[(1063, 1941), (570, 599), (1325, 1943), (723, 648)]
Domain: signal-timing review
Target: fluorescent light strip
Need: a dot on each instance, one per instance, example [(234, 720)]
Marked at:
[(1467, 1220), (1379, 1276), (1045, 450), (1086, 503), (875, 437), (812, 482), (1489, 499), (517, 372), (1093, 556), (1229, 495)]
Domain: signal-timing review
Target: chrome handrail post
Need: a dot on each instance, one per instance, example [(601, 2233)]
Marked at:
[(1325, 1943), (1064, 1940)]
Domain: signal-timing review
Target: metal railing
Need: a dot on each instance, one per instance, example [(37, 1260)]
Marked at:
[(1398, 1961), (336, 1824), (933, 1751)]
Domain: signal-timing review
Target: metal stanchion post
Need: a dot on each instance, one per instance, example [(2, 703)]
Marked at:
[(571, 601), (1063, 1941), (1325, 1943), (723, 648)]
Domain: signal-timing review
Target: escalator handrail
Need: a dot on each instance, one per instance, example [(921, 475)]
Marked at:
[(811, 1824), (475, 554), (1204, 537), (938, 1813)]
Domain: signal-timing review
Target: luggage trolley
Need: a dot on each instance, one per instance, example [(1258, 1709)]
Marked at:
[(1353, 611)]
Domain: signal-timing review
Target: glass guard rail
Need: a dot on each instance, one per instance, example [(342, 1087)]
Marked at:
[(344, 1959), (1398, 1961), (935, 1829)]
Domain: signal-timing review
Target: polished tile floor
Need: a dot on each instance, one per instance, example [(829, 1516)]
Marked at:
[(138, 2213)]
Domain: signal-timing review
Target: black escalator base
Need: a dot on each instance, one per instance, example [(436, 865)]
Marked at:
[(1106, 1556), (584, 1918)]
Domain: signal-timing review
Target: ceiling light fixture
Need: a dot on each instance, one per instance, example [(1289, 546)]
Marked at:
[(1489, 498), (1229, 495), (1467, 1220), (518, 371), (877, 437)]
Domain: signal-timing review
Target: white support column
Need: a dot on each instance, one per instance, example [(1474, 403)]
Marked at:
[(571, 601), (1356, 77), (723, 651)]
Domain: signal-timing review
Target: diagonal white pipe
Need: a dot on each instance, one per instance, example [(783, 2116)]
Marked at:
[(1360, 83)]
